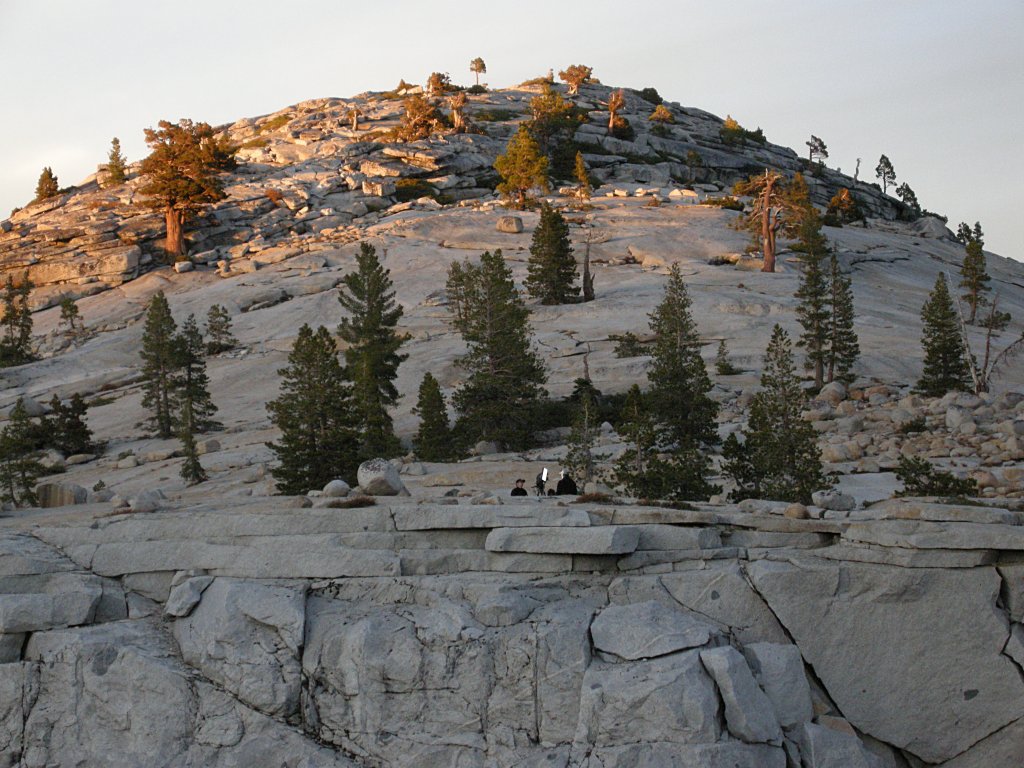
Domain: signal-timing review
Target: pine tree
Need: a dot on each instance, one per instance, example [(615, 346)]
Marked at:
[(635, 468), (521, 168), (584, 188), (19, 464), (885, 173), (505, 376), (433, 440), (477, 67), (47, 185), (616, 103), (909, 198), (319, 439), (843, 345), (974, 277), (723, 366), (551, 268), (218, 328), (814, 293), (777, 206), (159, 366), (191, 383), (945, 358), (192, 471), (575, 76), (679, 387), (116, 164), (372, 356), (70, 318), (65, 428), (779, 458), (816, 149), (585, 425), (16, 323), (183, 174)]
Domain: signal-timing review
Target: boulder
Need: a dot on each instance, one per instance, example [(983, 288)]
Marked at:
[(911, 656), (336, 489), (833, 393), (648, 629), (510, 224), (60, 494), (183, 266), (834, 500), (749, 714), (822, 747), (378, 477), (779, 669)]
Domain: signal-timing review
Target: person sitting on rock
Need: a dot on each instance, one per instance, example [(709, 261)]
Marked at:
[(566, 485), (520, 489)]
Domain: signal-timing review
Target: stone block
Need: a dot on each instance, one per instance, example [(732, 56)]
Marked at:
[(646, 630), (596, 540), (749, 714)]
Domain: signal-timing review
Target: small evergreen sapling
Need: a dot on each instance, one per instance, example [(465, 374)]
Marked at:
[(843, 344), (70, 318), (117, 171), (723, 366), (65, 428), (583, 186), (433, 440), (551, 268), (218, 329), (945, 357), (319, 439), (974, 278), (192, 471), (16, 323), (47, 185), (191, 382), (522, 168), (920, 478)]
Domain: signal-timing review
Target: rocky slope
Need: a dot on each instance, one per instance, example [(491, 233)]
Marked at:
[(143, 622)]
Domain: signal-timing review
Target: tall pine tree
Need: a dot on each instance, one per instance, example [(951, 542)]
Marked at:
[(779, 458), (551, 269), (433, 440), (505, 378), (583, 434), (192, 471), (635, 468), (218, 328), (843, 345), (16, 323), (19, 458), (686, 423), (160, 366), (945, 357), (813, 292), (318, 423), (372, 356), (974, 278), (192, 384)]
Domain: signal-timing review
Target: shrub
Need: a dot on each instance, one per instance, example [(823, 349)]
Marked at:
[(920, 478), (661, 115), (651, 95), (274, 196), (494, 115), (258, 143), (413, 189), (731, 203), (627, 345), (694, 160), (274, 123), (623, 130), (733, 133), (912, 426), (474, 89)]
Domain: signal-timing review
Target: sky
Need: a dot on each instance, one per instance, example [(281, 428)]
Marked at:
[(937, 86)]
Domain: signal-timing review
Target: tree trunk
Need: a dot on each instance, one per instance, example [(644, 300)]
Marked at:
[(477, 73), (611, 123), (767, 245), (174, 243), (588, 279)]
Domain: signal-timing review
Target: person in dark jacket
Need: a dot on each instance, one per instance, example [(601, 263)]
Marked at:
[(566, 486), (520, 489)]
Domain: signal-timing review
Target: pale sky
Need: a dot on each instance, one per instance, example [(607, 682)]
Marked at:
[(937, 86)]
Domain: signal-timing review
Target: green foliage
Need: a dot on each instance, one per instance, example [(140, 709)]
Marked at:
[(420, 119), (906, 194), (551, 269), (843, 208), (778, 458), (493, 114), (575, 75), (192, 471), (913, 426), (191, 382), (579, 459), (885, 173), (813, 312), (16, 323), (627, 345), (521, 168), (584, 187), (920, 478), (729, 203), (117, 167), (183, 173), (413, 189), (314, 412), (433, 440), (372, 357), (816, 149), (19, 459), (667, 458), (476, 89), (70, 318), (159, 366), (974, 278), (965, 234), (723, 366), (661, 115), (651, 95), (844, 347), (47, 185), (218, 328), (478, 67), (553, 125), (945, 357), (505, 376), (732, 133), (64, 429), (279, 121)]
